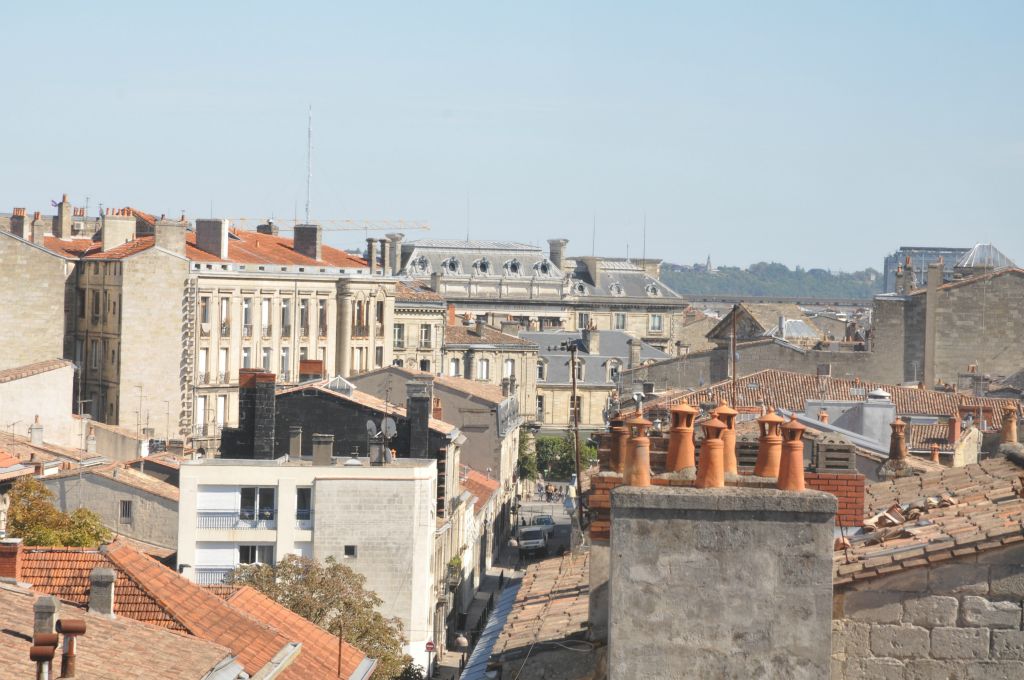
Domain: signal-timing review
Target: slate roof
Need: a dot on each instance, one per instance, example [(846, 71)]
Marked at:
[(615, 278), (799, 325), (973, 509), (484, 391), (20, 372), (788, 390), (613, 345), (478, 484), (111, 649), (461, 334), (462, 259), (121, 473)]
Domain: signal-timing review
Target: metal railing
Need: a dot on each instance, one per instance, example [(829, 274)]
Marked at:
[(399, 343), (231, 519), (362, 331), (268, 330), (202, 430), (211, 576), (286, 331), (425, 343), (225, 328), (304, 519), (247, 330)]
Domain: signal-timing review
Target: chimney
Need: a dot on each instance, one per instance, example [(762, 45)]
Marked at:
[(101, 591), (769, 445), (90, 440), (591, 339), (170, 236), (510, 328), (212, 237), (791, 467), (680, 438), (910, 281), (435, 281), (385, 257), (710, 471), (931, 300), (634, 353), (823, 416), (39, 229), (953, 425), (41, 654), (438, 411), (311, 369), (371, 255), (782, 328), (254, 436), (18, 222), (896, 465), (270, 229), (556, 251), (619, 444), (727, 415), (418, 407), (308, 241), (117, 228), (479, 328), (396, 252), (323, 449), (1008, 435), (11, 554), (35, 432), (637, 470), (45, 611), (70, 629), (295, 441), (452, 319), (935, 453), (62, 220), (901, 288)]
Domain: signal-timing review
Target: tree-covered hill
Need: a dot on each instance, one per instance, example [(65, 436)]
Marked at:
[(772, 278)]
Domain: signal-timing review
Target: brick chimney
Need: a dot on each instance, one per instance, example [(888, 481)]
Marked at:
[(323, 449), (62, 220), (769, 445), (637, 469), (556, 250), (101, 591), (212, 237), (18, 222), (452, 319), (11, 554), (953, 428), (711, 471), (419, 403), (117, 228), (680, 438), (308, 241), (254, 436), (791, 467)]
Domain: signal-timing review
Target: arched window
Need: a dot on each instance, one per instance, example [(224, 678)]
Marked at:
[(652, 290), (512, 267), (614, 369), (580, 369), (452, 266), (509, 368), (454, 367), (484, 369), (616, 289), (482, 266)]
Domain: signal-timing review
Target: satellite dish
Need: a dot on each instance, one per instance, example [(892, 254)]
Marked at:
[(389, 428), (371, 428)]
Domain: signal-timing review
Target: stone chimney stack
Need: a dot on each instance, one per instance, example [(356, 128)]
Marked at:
[(62, 220), (681, 452), (901, 288), (101, 591), (634, 353), (117, 228), (896, 465), (212, 237), (396, 252), (39, 229), (270, 229), (591, 339), (781, 335), (385, 257), (18, 222), (371, 255), (556, 251), (930, 304), (323, 449), (823, 416), (35, 432), (90, 441), (419, 398), (45, 611), (169, 235), (308, 241), (295, 441)]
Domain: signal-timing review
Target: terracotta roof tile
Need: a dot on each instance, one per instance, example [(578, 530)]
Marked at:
[(121, 473), (23, 449), (19, 372), (475, 388), (480, 485), (467, 335), (413, 291)]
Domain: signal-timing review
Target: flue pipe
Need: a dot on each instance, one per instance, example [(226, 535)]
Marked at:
[(70, 629), (791, 468), (44, 646), (727, 415), (639, 459), (769, 445), (680, 438), (711, 471)]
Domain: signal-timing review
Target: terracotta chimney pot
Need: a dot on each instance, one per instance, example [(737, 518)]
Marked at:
[(680, 438), (897, 440), (1009, 430), (638, 466), (935, 453), (769, 445), (823, 416), (711, 471), (727, 415), (620, 442), (791, 467)]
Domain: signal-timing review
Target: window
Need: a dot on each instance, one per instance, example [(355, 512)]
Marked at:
[(265, 316), (322, 318), (225, 309), (620, 321), (454, 368), (256, 502), (94, 353), (95, 304), (304, 317), (575, 406), (201, 415), (286, 317), (247, 311), (425, 365), (81, 303), (399, 335), (614, 368), (303, 502), (255, 554), (222, 406), (378, 357), (582, 320), (246, 357), (222, 364), (266, 359), (125, 513), (484, 372), (286, 362), (204, 309), (542, 369), (509, 368), (540, 409), (350, 551), (580, 366), (425, 336), (656, 323)]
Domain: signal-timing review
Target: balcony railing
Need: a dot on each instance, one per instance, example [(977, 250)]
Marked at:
[(304, 519), (284, 376), (203, 378), (231, 519), (211, 576), (268, 330), (247, 330), (225, 328), (223, 378), (425, 343), (304, 331), (361, 331)]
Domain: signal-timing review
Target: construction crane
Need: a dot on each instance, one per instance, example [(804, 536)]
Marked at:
[(249, 223)]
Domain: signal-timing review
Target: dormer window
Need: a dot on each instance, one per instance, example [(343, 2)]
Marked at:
[(616, 289), (482, 266), (614, 369), (452, 265), (543, 268), (542, 369), (418, 266), (652, 290), (580, 288), (513, 267)]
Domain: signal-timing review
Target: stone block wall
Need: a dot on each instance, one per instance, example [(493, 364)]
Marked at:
[(960, 618)]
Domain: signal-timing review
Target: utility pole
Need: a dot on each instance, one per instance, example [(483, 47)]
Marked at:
[(573, 349)]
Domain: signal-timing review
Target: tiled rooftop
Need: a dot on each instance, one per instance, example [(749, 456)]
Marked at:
[(19, 372), (480, 485), (475, 388), (23, 449), (461, 334), (121, 473), (111, 649), (413, 291), (938, 516)]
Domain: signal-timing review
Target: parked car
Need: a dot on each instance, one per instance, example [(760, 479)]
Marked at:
[(533, 540), (546, 521)]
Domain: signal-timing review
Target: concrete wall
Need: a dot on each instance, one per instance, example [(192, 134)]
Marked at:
[(720, 583), (956, 619), (47, 395), (33, 292), (154, 518)]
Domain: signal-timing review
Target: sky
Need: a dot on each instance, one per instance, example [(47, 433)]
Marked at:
[(820, 134)]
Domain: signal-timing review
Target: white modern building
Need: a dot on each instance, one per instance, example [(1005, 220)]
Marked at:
[(378, 519)]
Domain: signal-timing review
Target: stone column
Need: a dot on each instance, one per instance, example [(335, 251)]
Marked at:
[(345, 336)]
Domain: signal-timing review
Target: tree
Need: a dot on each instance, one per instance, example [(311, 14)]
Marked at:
[(526, 465), (34, 518), (334, 597), (556, 457)]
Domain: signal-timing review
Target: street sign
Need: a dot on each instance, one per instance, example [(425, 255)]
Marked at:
[(430, 645)]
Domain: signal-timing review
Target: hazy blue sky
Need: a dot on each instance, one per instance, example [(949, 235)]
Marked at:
[(814, 133)]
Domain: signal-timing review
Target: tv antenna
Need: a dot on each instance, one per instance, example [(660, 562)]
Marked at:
[(309, 157)]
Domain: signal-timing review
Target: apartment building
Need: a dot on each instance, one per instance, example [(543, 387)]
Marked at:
[(418, 327)]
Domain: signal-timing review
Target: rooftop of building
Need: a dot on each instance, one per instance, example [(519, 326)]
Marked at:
[(125, 474), (478, 389), (24, 450), (476, 334), (110, 649), (984, 255), (981, 277), (927, 519), (798, 325), (147, 591), (478, 484), (340, 463), (28, 370), (413, 291), (613, 346)]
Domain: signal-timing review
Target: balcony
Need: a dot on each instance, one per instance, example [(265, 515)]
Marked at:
[(268, 330), (223, 378), (247, 330), (304, 331), (284, 376), (211, 576), (203, 378), (225, 328), (304, 519), (232, 519), (361, 331)]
